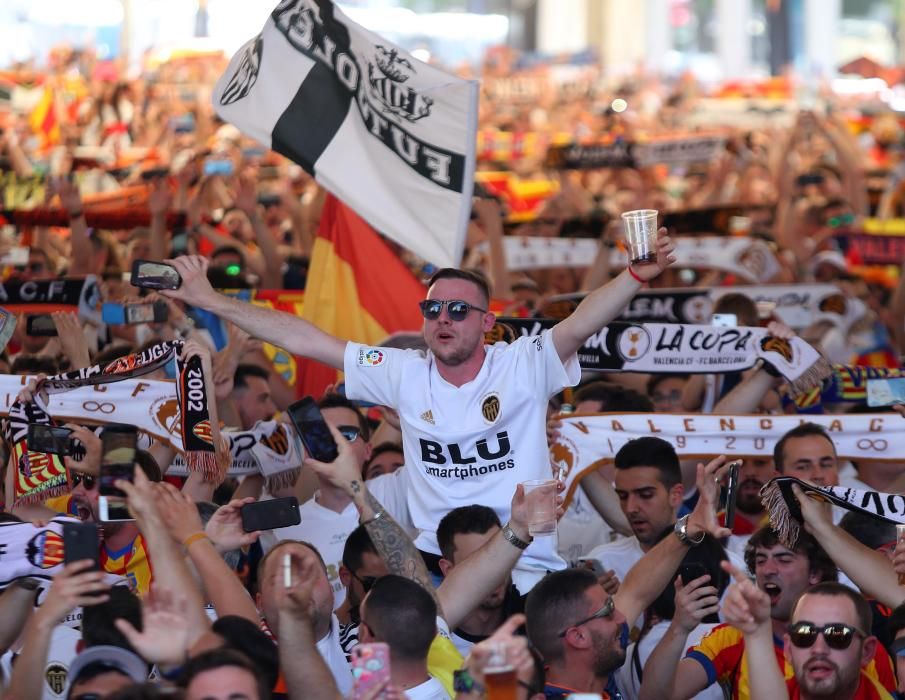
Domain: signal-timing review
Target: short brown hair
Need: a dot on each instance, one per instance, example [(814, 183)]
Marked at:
[(452, 273), (833, 589), (819, 562)]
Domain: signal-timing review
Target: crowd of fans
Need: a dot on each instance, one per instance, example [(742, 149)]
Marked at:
[(643, 592)]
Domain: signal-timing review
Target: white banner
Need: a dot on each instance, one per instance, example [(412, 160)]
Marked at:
[(389, 135), (588, 441)]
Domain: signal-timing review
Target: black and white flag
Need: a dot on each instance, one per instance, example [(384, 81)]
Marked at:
[(391, 136)]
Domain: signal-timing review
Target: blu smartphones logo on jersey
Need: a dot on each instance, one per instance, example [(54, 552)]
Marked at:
[(451, 463)]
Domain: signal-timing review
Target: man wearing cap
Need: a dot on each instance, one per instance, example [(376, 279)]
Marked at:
[(103, 670)]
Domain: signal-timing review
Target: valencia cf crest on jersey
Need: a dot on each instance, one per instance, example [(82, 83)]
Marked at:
[(490, 408)]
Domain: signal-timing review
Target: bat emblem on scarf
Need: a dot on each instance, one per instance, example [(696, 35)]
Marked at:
[(777, 345)]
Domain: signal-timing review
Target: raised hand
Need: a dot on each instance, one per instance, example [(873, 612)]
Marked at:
[(503, 643), (159, 199), (694, 601), (77, 585), (195, 290), (72, 339), (164, 628), (745, 606), (704, 518), (225, 526), (343, 472), (178, 512), (91, 462)]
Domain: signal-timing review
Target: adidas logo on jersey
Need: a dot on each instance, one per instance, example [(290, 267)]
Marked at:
[(428, 416)]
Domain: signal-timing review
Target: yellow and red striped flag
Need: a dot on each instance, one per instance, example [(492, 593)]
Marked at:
[(357, 289)]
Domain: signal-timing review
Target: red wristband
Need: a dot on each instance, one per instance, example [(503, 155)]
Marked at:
[(633, 274)]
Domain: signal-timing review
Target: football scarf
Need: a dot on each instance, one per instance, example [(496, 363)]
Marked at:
[(40, 476), (270, 448), (785, 513), (588, 441), (662, 347), (44, 296)]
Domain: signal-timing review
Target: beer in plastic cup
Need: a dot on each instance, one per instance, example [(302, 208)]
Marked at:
[(641, 235), (540, 496), (499, 676)]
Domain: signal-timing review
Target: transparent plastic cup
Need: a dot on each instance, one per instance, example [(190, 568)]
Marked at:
[(540, 496), (641, 235)]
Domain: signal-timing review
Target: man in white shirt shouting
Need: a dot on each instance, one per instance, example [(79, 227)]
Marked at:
[(472, 416)]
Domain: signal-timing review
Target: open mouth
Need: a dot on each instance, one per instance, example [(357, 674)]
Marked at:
[(774, 591), (820, 669), (82, 511), (444, 335)]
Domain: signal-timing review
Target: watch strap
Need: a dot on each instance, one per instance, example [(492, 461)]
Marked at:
[(514, 539)]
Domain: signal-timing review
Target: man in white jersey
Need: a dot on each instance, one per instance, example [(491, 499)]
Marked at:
[(472, 417)]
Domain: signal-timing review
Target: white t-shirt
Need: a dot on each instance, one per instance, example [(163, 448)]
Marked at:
[(327, 531), (581, 528), (335, 658), (431, 689), (620, 556), (469, 444), (627, 677), (391, 491), (63, 649)]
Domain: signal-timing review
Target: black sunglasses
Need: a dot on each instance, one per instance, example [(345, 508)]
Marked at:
[(367, 582), (349, 432), (86, 480), (606, 611), (836, 634), (457, 309)]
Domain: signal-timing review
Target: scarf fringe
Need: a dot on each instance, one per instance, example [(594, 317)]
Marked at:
[(282, 480), (206, 463), (781, 521), (812, 378)]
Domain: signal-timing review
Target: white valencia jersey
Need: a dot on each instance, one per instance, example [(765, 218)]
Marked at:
[(468, 444)]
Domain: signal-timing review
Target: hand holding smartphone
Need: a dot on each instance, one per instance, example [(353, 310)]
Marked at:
[(270, 515), (49, 439), (732, 492), (80, 541), (118, 447), (370, 667), (154, 275), (41, 325), (313, 430)]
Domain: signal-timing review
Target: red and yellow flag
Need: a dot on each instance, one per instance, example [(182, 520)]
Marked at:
[(43, 119), (357, 289)]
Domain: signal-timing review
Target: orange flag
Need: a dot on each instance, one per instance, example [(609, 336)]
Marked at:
[(357, 289)]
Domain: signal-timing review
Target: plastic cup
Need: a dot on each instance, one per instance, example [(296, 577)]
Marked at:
[(641, 235), (499, 675), (540, 496)]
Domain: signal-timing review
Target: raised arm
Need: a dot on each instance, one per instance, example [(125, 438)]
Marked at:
[(605, 303), (290, 332)]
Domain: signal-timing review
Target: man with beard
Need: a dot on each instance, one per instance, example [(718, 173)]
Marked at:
[(782, 574), (472, 416), (463, 531), (828, 643), (750, 514)]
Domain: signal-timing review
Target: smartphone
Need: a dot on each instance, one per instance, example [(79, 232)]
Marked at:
[(691, 571), (213, 166), (16, 256), (594, 565), (724, 320), (154, 275), (41, 325), (270, 515), (268, 199), (118, 446), (112, 510), (885, 392), (154, 173), (732, 492), (370, 667), (809, 179), (48, 439), (313, 430), (118, 314), (80, 541)]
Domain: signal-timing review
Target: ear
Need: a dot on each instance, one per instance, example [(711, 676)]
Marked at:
[(814, 578), (868, 649), (675, 495), (368, 449), (445, 566), (345, 576), (577, 638), (489, 320)]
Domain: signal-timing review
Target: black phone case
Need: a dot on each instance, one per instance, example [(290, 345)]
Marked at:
[(80, 541), (313, 430), (270, 515)]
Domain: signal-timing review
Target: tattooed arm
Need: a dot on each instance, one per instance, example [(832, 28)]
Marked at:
[(392, 542)]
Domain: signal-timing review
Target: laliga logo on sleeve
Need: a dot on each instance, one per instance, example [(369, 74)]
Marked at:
[(371, 357)]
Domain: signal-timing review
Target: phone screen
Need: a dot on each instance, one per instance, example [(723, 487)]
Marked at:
[(146, 313), (885, 392), (154, 275), (117, 457), (46, 438), (313, 430), (270, 515), (724, 320), (41, 324)]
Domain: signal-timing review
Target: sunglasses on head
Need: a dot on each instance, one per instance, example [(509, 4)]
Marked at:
[(836, 634), (606, 611), (86, 480), (349, 432), (457, 309)]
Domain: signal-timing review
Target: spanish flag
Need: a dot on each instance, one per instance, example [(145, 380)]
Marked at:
[(358, 289), (43, 119)]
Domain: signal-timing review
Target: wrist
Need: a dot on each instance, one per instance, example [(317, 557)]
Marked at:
[(515, 539), (194, 537), (634, 275), (76, 214), (520, 530)]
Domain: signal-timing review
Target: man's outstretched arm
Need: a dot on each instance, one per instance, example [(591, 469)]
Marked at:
[(605, 303), (287, 331)]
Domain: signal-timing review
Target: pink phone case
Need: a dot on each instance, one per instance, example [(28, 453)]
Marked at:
[(370, 667)]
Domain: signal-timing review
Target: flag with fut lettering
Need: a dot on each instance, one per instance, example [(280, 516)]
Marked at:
[(390, 135), (357, 289)]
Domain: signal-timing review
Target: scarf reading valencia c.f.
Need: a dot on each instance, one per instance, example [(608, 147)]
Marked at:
[(40, 476), (785, 513)]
